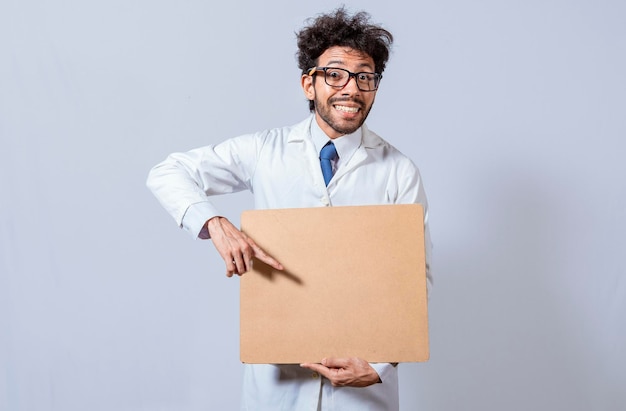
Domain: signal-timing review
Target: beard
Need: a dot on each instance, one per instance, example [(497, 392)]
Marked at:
[(340, 125)]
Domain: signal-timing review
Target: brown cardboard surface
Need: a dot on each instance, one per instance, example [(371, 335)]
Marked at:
[(354, 284)]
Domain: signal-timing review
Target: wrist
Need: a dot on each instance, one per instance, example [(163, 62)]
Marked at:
[(212, 224)]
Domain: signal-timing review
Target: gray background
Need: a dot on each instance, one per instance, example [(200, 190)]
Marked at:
[(514, 111)]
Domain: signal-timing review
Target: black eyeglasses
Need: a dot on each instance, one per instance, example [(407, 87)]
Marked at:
[(338, 78)]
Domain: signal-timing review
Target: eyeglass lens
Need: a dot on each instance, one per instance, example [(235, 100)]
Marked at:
[(336, 77)]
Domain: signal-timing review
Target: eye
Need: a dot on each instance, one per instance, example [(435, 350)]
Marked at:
[(334, 74), (366, 77)]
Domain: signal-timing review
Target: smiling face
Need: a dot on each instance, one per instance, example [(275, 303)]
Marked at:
[(340, 111)]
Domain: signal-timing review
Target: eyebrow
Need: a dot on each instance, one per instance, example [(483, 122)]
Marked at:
[(363, 65)]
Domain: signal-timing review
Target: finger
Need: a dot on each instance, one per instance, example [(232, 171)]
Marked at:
[(266, 258), (240, 265), (243, 256), (229, 261), (248, 253), (236, 248), (336, 362), (231, 268), (316, 367), (259, 253)]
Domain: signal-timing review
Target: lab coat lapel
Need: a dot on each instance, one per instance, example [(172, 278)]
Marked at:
[(301, 134), (369, 140)]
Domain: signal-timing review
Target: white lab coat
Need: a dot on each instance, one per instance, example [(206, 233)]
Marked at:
[(281, 168)]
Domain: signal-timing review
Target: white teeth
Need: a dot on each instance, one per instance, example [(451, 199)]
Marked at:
[(347, 109)]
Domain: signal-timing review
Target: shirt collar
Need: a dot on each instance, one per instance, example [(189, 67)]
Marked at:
[(346, 145)]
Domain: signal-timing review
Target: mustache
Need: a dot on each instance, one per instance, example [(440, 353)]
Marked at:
[(346, 100)]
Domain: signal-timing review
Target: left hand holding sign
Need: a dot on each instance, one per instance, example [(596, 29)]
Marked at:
[(346, 372)]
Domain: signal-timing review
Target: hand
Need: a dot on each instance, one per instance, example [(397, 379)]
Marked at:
[(346, 372), (236, 248)]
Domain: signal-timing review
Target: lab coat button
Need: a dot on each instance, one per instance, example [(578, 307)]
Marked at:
[(324, 200), (315, 375)]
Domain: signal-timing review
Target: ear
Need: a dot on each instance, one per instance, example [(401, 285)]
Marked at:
[(307, 86)]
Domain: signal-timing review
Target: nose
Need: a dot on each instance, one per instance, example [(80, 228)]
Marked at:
[(351, 85)]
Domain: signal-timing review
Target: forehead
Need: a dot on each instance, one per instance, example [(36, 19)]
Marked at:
[(345, 56)]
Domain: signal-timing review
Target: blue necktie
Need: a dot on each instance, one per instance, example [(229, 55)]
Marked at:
[(328, 153)]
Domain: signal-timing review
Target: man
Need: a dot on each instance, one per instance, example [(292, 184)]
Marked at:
[(342, 58)]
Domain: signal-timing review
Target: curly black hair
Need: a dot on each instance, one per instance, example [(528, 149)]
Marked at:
[(338, 28)]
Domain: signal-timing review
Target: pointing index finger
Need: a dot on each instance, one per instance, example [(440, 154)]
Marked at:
[(266, 258)]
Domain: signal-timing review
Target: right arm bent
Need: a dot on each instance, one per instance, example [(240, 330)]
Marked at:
[(183, 183)]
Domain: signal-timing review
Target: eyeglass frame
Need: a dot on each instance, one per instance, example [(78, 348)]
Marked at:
[(315, 69)]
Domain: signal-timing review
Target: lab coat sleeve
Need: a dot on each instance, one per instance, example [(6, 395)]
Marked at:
[(184, 182), (383, 370), (411, 191)]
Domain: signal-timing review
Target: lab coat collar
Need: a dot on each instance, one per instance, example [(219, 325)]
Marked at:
[(302, 131)]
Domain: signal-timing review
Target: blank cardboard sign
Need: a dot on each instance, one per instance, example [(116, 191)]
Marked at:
[(354, 284)]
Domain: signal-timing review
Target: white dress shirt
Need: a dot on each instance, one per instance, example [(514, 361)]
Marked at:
[(281, 168)]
